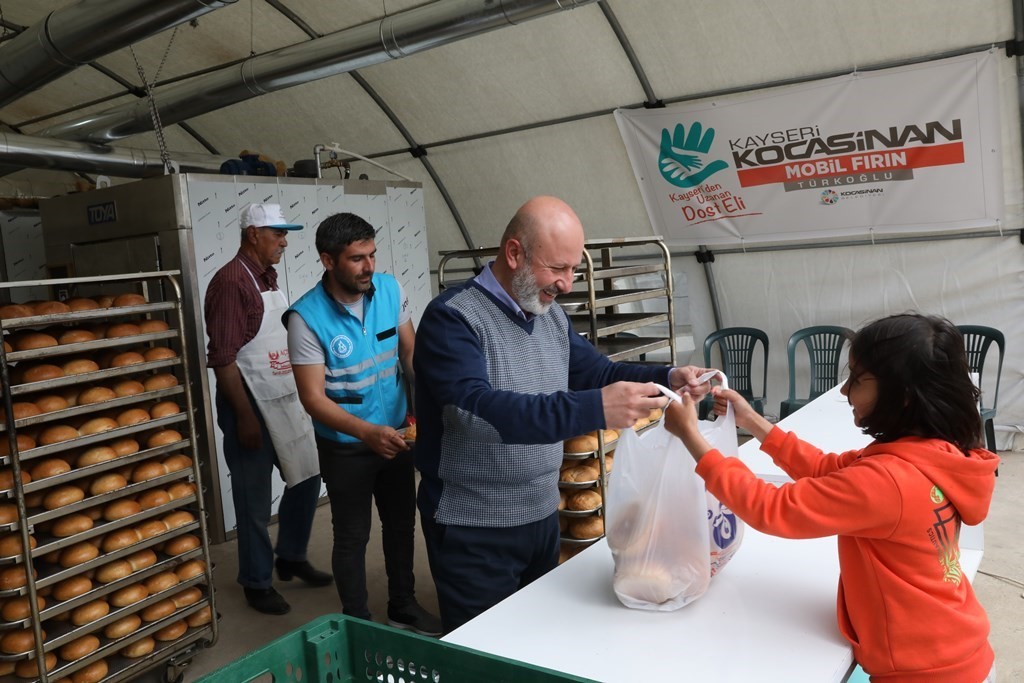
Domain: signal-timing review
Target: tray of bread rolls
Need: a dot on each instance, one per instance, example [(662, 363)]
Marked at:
[(99, 479)]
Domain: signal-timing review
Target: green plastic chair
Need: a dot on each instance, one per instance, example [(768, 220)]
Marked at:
[(977, 340), (736, 346), (824, 348)]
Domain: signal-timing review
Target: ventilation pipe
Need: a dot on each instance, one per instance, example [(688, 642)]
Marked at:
[(393, 37), (47, 153), (78, 34)]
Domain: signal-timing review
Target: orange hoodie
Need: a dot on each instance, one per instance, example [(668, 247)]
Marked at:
[(904, 602)]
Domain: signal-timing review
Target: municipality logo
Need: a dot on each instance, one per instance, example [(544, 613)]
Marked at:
[(683, 155), (829, 197), (342, 346)]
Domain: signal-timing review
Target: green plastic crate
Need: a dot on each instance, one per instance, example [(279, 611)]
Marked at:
[(339, 649)]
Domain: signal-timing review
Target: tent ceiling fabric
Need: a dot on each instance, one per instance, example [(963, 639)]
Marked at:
[(569, 64)]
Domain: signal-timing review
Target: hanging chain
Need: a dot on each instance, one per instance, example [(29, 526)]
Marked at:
[(154, 111), (252, 28)]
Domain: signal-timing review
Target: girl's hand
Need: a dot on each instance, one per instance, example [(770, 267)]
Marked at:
[(746, 417), (681, 421)]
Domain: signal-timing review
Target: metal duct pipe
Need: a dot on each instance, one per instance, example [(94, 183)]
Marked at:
[(399, 35), (66, 155), (78, 34)]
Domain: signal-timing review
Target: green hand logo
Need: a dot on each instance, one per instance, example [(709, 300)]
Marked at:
[(682, 153)]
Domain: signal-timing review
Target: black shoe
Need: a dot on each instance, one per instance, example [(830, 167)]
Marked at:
[(416, 619), (267, 601), (286, 569)]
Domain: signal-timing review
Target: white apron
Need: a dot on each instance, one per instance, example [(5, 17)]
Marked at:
[(267, 370)]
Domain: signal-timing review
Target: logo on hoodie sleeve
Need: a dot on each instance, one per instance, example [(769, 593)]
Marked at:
[(945, 536)]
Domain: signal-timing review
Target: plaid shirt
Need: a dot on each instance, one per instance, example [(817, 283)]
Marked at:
[(234, 309)]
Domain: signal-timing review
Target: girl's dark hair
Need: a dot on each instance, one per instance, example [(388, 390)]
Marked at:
[(924, 388), (340, 230)]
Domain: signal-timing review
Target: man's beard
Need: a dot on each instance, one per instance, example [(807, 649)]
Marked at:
[(527, 293)]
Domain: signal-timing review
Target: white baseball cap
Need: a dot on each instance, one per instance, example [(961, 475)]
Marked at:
[(264, 216)]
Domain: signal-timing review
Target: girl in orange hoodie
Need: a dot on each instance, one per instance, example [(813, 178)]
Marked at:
[(896, 506)]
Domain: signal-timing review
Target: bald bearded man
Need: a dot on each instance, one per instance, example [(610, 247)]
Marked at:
[(501, 381)]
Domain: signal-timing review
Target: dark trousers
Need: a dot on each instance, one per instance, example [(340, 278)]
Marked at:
[(475, 568), (356, 477), (251, 494)]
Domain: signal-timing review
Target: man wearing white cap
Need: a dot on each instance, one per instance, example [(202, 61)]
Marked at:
[(258, 410)]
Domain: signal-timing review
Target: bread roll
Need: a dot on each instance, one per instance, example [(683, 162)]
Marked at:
[(25, 443), (10, 544), (50, 308), (148, 326), (132, 416), (182, 544), (641, 423), (148, 470), (163, 437), (95, 395), (122, 330), (610, 436), (50, 467), (97, 425), (50, 403), (77, 554), (581, 444), (127, 358), (79, 366), (177, 462), (655, 414), (41, 373), (123, 627), (563, 497), (17, 609), (129, 300), (70, 395), (158, 610), (128, 387), (142, 560), (189, 596), (11, 311), (125, 446), (179, 518), (23, 409), (7, 347), (159, 353), (584, 500), (579, 474), (95, 455), (70, 525), (129, 595), (105, 301), (90, 612), (29, 668), (586, 527), (80, 647), (76, 336), (163, 409), (57, 434), (8, 513), (140, 648), (72, 587), (153, 498), (119, 509), (171, 632), (181, 489), (151, 528), (16, 642), (105, 483), (112, 571), (122, 538), (94, 673), (63, 495), (7, 478), (200, 617), (190, 569), (82, 304), (15, 577), (163, 380), (158, 583), (33, 340)]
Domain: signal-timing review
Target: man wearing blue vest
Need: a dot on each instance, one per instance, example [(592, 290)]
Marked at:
[(350, 340), (501, 380)]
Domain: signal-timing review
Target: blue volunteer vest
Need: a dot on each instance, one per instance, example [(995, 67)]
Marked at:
[(361, 370)]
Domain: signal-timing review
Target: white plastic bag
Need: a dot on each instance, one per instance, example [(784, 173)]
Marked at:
[(668, 535)]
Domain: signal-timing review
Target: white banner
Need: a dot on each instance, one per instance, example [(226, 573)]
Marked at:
[(913, 149)]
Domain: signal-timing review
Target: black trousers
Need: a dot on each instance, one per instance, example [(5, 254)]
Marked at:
[(356, 477)]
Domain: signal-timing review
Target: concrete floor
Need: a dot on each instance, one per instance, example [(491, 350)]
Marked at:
[(998, 585)]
